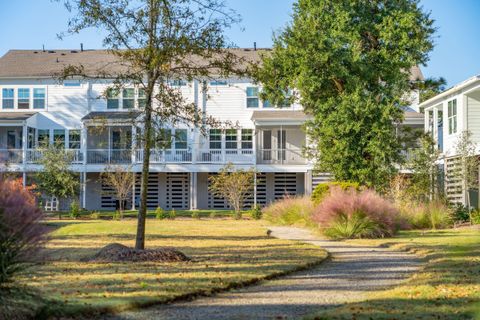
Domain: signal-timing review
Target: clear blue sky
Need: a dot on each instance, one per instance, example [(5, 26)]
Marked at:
[(27, 24)]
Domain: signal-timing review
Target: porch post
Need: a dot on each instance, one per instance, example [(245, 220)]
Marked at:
[(83, 143), (133, 189), (24, 179), (255, 188), (24, 145), (83, 178), (193, 190), (134, 144)]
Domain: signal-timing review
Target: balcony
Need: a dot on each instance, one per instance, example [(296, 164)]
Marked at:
[(11, 156), (280, 156), (166, 156), (109, 156), (35, 155), (226, 156)]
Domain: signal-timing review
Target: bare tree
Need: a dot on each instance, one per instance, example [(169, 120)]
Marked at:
[(233, 185), (121, 180), (154, 42)]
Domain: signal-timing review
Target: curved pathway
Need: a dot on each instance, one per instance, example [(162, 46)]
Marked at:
[(349, 275)]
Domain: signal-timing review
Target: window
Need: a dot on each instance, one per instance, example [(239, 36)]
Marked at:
[(215, 139), (247, 138), (267, 104), (252, 97), (128, 98), (452, 116), (218, 83), (38, 98), (43, 138), (286, 102), (74, 139), (59, 138), (231, 139), (141, 98), (181, 139), (164, 139), (71, 83), (23, 98), (177, 83), (112, 99), (7, 98)]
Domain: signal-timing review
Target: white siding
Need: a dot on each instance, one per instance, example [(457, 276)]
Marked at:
[(473, 109)]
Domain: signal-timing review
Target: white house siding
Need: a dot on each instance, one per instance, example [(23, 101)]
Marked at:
[(473, 110)]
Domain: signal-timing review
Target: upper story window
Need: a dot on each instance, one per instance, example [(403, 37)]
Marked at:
[(452, 116), (215, 139), (247, 138), (181, 139), (23, 96), (128, 98), (218, 82), (231, 139), (164, 139), (286, 102), (74, 139), (177, 83), (141, 98), (252, 97), (112, 99), (71, 83), (38, 98), (8, 98), (59, 138)]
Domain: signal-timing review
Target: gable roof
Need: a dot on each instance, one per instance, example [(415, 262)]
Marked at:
[(45, 64)]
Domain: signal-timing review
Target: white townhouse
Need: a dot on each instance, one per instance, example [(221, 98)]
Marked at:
[(35, 107), (447, 115)]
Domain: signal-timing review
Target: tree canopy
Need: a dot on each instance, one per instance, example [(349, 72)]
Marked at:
[(348, 63)]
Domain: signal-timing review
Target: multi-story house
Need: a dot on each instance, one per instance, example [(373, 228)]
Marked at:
[(35, 107), (447, 115)]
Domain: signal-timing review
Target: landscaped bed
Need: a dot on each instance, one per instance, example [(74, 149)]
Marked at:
[(223, 253), (447, 288)]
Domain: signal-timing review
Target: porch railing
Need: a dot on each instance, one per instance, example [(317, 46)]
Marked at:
[(226, 155), (35, 155), (104, 156), (11, 155), (280, 156), (166, 156)]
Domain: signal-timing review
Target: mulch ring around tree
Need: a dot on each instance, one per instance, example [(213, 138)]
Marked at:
[(116, 252)]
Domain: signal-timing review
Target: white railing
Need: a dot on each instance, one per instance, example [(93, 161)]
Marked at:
[(280, 156), (35, 155), (166, 156), (114, 156), (226, 155), (11, 155)]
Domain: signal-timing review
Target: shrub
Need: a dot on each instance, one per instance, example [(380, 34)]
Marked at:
[(256, 212), (74, 209), (431, 215), (172, 214), (460, 213), (323, 189), (353, 214), (213, 215), (117, 215), (95, 215), (21, 233), (160, 214), (195, 214), (475, 217), (290, 211)]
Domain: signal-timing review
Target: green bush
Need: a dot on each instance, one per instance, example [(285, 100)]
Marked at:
[(358, 225), (213, 215), (431, 215), (74, 209), (460, 213), (323, 189), (117, 215), (475, 217), (172, 214), (256, 212), (95, 215), (160, 214), (195, 214), (290, 211)]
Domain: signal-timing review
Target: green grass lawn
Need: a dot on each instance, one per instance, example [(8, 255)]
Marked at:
[(225, 254), (447, 288), (108, 214)]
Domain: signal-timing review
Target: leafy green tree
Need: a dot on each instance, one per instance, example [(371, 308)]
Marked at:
[(234, 186), (56, 179), (348, 62), (425, 171), (155, 42), (466, 164), (430, 87)]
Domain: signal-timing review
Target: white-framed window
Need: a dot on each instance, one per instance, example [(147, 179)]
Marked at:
[(177, 83), (247, 138), (128, 98), (215, 139), (71, 83), (218, 82), (113, 98), (231, 139), (23, 98), (180, 139), (252, 97), (141, 98), (452, 116), (39, 98), (8, 98), (59, 138), (43, 138), (74, 139)]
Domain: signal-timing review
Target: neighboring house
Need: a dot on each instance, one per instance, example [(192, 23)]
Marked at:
[(447, 115), (34, 107)]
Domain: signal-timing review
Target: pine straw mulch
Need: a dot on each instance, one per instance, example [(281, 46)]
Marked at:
[(116, 252)]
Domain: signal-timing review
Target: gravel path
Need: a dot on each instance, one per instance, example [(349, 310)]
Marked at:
[(349, 275)]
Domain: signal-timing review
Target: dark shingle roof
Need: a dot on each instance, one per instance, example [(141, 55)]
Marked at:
[(274, 115), (38, 63), (111, 115)]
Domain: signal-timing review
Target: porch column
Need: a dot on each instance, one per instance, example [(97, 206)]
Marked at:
[(83, 143), (193, 190), (24, 179), (435, 124), (254, 146), (83, 183), (133, 189), (134, 145), (24, 145), (308, 182), (255, 188)]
